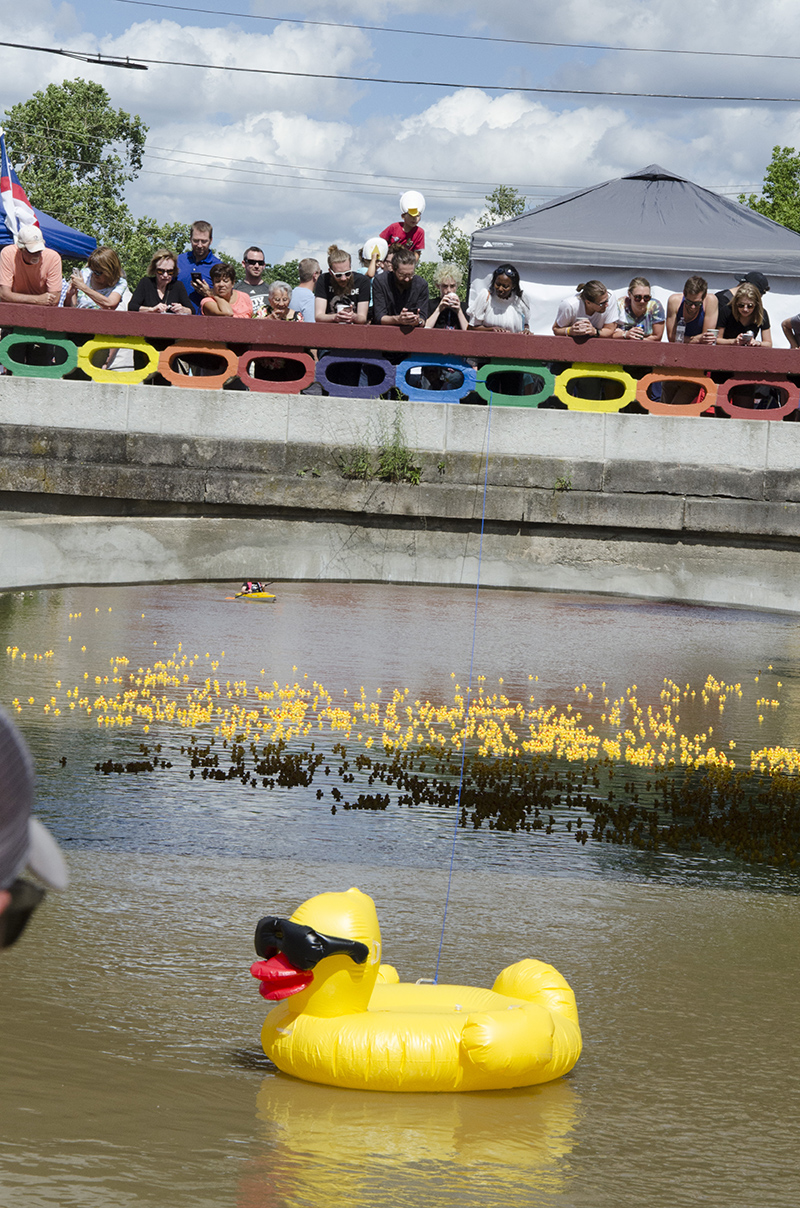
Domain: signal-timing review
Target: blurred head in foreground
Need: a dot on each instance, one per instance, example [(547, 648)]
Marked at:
[(25, 844)]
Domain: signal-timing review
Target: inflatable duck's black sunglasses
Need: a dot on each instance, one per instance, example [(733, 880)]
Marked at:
[(301, 945)]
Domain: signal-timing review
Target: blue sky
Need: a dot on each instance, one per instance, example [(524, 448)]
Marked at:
[(295, 164)]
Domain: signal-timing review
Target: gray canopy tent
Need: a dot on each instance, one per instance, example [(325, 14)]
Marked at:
[(650, 223)]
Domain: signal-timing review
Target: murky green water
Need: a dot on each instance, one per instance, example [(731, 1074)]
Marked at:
[(132, 1073)]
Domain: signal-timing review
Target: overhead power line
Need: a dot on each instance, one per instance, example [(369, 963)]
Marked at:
[(449, 84), (364, 180), (83, 56), (426, 33)]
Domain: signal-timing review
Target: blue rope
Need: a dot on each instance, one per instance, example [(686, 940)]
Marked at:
[(468, 696)]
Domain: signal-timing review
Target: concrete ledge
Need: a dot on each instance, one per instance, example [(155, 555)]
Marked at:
[(124, 484), (48, 551)]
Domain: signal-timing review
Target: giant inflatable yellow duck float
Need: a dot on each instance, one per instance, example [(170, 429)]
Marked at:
[(344, 1019)]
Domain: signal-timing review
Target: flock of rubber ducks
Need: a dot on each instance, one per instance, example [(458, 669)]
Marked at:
[(527, 766)]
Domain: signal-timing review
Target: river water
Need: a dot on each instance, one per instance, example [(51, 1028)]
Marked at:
[(132, 1070)]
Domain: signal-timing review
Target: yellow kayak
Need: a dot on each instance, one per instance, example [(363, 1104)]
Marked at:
[(255, 595)]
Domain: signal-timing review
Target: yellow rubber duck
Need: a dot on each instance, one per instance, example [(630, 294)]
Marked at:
[(344, 1019)]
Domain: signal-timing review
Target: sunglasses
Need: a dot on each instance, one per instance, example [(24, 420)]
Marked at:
[(641, 297), (257, 263), (342, 276), (25, 897), (301, 945)]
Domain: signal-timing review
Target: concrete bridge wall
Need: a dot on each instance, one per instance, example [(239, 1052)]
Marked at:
[(118, 484)]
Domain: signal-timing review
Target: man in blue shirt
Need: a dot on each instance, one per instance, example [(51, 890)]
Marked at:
[(198, 262), (302, 298)]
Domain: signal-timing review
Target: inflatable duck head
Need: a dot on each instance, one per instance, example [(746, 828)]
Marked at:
[(325, 957)]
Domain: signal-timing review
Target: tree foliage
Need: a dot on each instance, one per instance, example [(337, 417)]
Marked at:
[(142, 238), (780, 194), (502, 203), (75, 154), (453, 245)]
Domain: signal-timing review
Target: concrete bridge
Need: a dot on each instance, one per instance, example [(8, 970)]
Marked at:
[(118, 483)]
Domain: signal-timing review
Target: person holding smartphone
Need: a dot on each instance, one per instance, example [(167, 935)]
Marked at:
[(340, 295), (196, 264), (748, 322), (400, 298)]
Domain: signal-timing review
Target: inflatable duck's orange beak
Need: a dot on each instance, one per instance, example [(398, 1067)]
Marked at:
[(279, 978)]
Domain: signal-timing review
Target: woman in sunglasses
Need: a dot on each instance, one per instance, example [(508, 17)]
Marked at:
[(160, 292), (341, 296), (748, 322), (641, 316)]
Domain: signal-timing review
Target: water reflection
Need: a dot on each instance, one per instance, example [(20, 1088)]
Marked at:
[(344, 1148), (129, 1029)]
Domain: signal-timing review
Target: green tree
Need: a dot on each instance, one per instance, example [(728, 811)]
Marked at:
[(142, 238), (780, 194), (288, 272), (426, 269), (75, 155), (502, 203), (453, 245)]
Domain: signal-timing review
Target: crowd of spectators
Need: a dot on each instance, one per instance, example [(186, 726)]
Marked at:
[(389, 291)]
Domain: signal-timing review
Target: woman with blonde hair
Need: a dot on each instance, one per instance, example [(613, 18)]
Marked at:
[(449, 313), (160, 291), (341, 296), (100, 285), (641, 316), (748, 320)]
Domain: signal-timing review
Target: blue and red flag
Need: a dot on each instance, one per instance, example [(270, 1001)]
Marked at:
[(18, 210)]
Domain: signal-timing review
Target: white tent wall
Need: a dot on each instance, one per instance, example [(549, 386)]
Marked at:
[(545, 293)]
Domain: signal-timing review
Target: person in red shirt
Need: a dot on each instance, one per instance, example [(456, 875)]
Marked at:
[(221, 298), (408, 232)]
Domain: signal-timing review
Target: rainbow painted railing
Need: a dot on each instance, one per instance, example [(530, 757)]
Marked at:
[(365, 362)]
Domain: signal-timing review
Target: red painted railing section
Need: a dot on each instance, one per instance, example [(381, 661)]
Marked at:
[(199, 352)]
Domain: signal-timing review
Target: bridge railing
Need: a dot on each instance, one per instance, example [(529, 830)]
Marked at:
[(579, 373)]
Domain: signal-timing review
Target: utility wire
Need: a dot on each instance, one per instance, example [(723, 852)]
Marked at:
[(383, 184), (426, 33), (371, 187), (353, 79), (83, 56)]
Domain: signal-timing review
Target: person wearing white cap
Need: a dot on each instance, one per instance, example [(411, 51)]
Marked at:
[(30, 273), (24, 842), (408, 232)]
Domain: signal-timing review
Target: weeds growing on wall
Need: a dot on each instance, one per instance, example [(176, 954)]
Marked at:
[(395, 460), (389, 458), (357, 462)]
